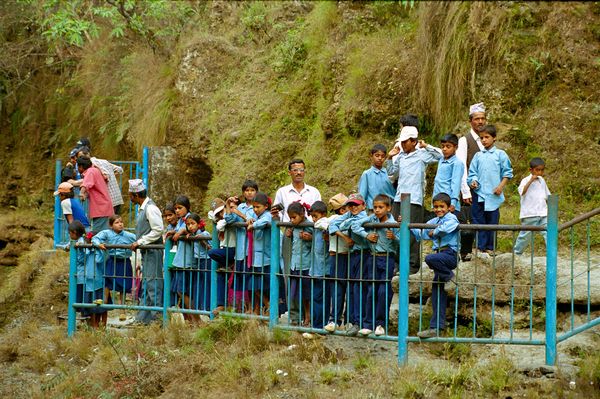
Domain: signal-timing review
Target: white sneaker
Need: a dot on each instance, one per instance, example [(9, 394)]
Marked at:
[(379, 331), (483, 255), (330, 327), (365, 331)]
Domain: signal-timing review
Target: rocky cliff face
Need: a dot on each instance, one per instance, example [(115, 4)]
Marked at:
[(248, 86)]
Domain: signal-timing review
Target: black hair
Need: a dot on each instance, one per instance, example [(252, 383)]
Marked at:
[(194, 216), (84, 162), (409, 120), (383, 198), (445, 198), (489, 129), (113, 219), (77, 227), (250, 184), (536, 162), (84, 142), (319, 206), (183, 200), (169, 207), (141, 194), (70, 194), (84, 150), (263, 199), (449, 138), (293, 161), (296, 208), (378, 147)]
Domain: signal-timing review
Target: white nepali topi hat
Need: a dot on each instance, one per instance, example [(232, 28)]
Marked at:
[(479, 107), (136, 185), (408, 132)]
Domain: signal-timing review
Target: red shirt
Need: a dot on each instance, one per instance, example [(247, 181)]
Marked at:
[(100, 203)]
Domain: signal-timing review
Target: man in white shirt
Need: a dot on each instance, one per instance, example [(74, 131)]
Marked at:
[(468, 146), (148, 231), (297, 191)]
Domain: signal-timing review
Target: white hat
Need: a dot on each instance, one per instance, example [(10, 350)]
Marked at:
[(408, 132), (479, 107), (136, 185)]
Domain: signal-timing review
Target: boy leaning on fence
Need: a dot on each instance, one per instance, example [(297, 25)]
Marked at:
[(534, 210), (443, 261)]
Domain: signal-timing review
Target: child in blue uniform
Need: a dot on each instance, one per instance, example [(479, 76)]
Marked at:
[(357, 258), (442, 262), (379, 265), (200, 277), (93, 281), (77, 233), (300, 263), (489, 172), (261, 253), (118, 274), (241, 212), (375, 180), (319, 269)]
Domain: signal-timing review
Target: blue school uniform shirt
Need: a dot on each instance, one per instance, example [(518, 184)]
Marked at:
[(383, 243), (448, 179), (200, 250), (80, 261), (184, 257), (488, 168), (410, 169), (445, 235), (301, 249), (94, 269), (108, 236), (345, 222), (241, 239), (261, 246), (373, 182), (320, 255)]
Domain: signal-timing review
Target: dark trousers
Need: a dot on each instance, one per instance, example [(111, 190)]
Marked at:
[(379, 270), (320, 301), (485, 239), (467, 237), (223, 257), (416, 216), (442, 264), (357, 288), (338, 269)]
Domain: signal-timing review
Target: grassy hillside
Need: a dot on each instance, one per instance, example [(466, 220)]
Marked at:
[(244, 87)]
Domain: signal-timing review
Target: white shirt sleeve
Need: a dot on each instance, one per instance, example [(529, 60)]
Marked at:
[(66, 207), (156, 224), (461, 154)]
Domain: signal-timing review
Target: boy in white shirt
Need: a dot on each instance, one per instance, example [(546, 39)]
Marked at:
[(534, 210)]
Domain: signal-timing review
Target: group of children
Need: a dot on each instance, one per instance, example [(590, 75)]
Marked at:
[(341, 265)]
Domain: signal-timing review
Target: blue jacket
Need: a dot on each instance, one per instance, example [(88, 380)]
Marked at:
[(261, 246), (345, 222), (383, 243), (445, 235), (301, 249), (373, 182), (108, 236), (241, 238)]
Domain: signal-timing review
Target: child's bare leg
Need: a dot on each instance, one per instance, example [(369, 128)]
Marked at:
[(257, 302), (266, 304), (103, 319), (306, 306)]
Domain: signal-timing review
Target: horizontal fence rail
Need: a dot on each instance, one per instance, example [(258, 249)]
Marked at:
[(292, 277)]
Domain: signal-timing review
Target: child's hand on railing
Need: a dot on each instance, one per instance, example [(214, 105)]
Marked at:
[(372, 237), (102, 246), (306, 236)]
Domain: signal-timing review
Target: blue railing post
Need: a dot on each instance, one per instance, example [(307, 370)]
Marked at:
[(274, 284), (403, 280), (145, 167), (551, 271), (71, 314), (213, 271), (57, 226), (166, 282)]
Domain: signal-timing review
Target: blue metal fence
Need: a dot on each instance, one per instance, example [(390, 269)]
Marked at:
[(230, 286)]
